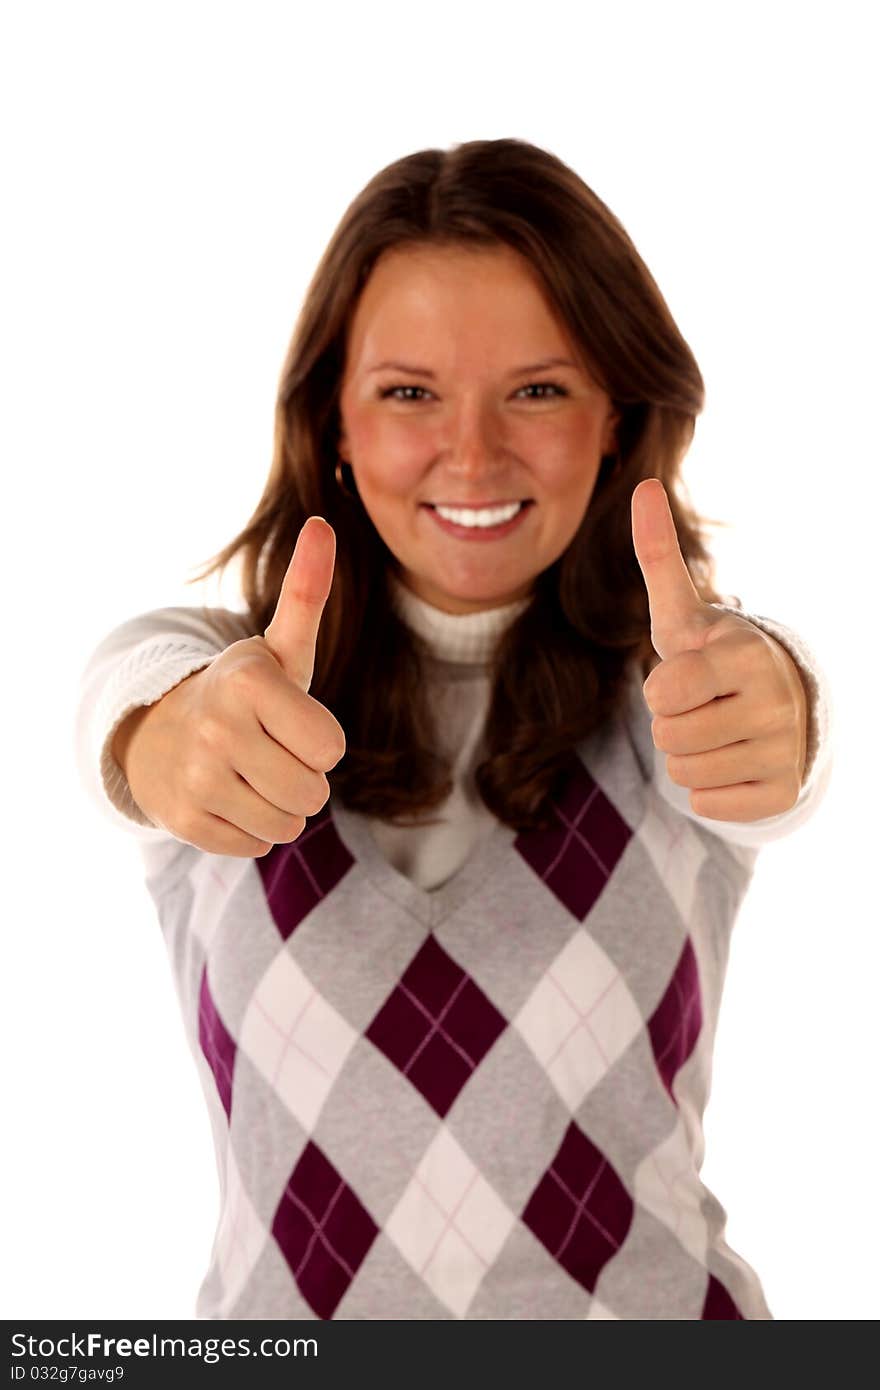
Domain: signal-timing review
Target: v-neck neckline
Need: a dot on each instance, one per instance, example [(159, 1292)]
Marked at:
[(430, 906), (433, 906)]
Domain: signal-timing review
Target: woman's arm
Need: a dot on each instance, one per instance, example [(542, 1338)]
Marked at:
[(133, 666), (817, 767)]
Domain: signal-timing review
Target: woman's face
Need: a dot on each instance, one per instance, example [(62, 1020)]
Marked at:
[(466, 415)]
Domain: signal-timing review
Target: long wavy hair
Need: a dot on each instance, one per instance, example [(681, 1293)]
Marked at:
[(559, 669)]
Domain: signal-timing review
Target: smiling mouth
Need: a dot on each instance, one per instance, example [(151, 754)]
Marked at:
[(469, 524), (478, 506)]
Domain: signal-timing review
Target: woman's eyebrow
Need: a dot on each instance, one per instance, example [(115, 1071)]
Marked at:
[(516, 371)]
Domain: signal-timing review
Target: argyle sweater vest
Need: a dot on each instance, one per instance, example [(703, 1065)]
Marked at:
[(482, 1101)]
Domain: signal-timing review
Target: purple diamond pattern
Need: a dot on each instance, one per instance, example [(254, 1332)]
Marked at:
[(298, 876), (576, 858), (580, 1211), (436, 1026), (675, 1024), (216, 1043), (323, 1231), (719, 1303)]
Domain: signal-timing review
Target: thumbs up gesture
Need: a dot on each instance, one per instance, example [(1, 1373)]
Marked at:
[(232, 759), (730, 710)]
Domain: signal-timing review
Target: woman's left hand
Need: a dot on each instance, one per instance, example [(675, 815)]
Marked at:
[(729, 706)]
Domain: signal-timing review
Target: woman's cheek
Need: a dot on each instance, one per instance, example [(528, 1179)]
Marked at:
[(557, 453), (402, 452)]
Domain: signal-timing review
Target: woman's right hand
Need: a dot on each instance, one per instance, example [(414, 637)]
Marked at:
[(232, 758)]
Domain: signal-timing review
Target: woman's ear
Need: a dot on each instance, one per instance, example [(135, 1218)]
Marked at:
[(609, 433), (341, 431)]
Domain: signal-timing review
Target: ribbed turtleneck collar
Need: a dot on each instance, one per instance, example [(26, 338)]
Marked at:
[(468, 638)]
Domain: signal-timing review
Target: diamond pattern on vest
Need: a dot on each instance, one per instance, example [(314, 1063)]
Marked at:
[(495, 1129)]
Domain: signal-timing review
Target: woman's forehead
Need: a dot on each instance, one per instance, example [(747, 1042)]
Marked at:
[(429, 291)]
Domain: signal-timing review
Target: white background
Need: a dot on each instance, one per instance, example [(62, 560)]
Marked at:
[(171, 174)]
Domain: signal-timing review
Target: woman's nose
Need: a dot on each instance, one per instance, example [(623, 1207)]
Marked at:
[(474, 439)]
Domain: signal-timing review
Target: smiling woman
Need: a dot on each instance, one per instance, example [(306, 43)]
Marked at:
[(456, 1065), (476, 441), (454, 278)]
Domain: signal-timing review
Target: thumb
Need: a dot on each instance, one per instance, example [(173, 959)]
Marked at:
[(293, 632), (678, 614)]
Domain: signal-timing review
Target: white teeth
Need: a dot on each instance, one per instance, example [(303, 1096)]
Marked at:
[(483, 516)]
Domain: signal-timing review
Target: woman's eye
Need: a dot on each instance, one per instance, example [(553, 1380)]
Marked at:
[(390, 391), (542, 386)]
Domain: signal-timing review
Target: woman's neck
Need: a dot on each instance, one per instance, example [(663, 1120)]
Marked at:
[(467, 638)]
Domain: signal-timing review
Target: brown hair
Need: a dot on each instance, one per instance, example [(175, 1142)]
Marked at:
[(559, 668)]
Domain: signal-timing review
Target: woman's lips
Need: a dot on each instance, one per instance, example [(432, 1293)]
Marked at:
[(480, 533)]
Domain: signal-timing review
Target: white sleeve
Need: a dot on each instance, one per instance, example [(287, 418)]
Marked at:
[(817, 768), (135, 664)]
